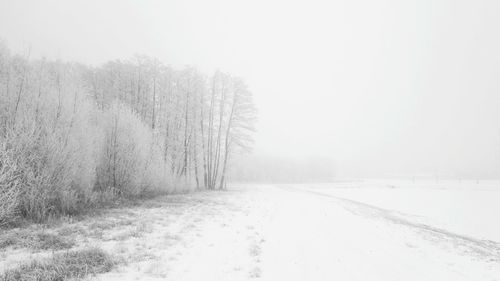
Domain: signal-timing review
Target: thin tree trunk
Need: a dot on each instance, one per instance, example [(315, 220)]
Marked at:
[(59, 98), (227, 144), (210, 133), (186, 125), (154, 104), (195, 158), (219, 134), (19, 94), (39, 92), (115, 148), (202, 117)]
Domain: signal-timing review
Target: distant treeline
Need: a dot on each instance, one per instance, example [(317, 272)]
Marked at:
[(267, 169), (74, 136)]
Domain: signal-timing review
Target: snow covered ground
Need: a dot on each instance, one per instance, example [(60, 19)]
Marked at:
[(317, 236), (370, 230), (465, 207)]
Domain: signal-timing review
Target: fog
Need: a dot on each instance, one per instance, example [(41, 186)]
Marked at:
[(369, 88)]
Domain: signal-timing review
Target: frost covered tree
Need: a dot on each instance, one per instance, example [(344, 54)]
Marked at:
[(72, 135), (231, 117)]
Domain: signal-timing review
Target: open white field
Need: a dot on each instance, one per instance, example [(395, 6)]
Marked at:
[(345, 231), (469, 208), (319, 236)]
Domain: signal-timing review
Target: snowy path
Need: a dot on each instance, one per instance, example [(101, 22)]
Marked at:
[(289, 233)]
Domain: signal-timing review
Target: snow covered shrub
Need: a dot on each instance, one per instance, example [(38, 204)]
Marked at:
[(125, 151), (85, 148), (131, 161), (74, 137), (157, 177), (54, 166), (47, 141), (32, 170), (9, 187)]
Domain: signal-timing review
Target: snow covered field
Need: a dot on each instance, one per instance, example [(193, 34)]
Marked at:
[(466, 207), (319, 236), (370, 230), (386, 231)]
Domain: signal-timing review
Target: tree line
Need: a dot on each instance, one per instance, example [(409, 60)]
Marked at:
[(73, 136)]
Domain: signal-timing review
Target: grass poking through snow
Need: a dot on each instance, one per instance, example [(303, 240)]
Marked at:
[(63, 266), (37, 241)]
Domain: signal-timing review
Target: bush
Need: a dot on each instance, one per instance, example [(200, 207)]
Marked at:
[(131, 161), (48, 169), (48, 145), (67, 143)]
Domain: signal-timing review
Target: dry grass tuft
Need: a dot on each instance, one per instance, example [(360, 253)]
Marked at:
[(36, 241), (69, 265)]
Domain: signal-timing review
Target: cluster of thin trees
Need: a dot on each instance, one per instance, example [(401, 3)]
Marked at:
[(200, 120), (72, 135)]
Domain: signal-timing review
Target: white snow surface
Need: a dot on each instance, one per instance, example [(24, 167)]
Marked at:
[(464, 207), (363, 230), (385, 231)]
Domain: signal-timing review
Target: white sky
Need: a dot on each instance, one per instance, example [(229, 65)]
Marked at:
[(383, 87)]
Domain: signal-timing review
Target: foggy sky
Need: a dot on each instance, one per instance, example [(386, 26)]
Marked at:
[(384, 88)]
